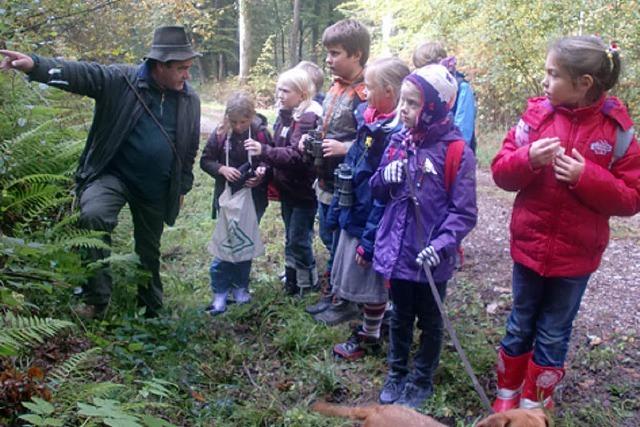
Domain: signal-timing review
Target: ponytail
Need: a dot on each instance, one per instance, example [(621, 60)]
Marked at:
[(580, 55)]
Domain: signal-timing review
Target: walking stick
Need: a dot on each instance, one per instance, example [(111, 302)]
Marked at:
[(436, 296)]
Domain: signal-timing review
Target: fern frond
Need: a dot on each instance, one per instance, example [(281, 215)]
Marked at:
[(21, 332), (66, 224), (40, 178), (18, 139), (32, 198), (83, 242), (59, 375)]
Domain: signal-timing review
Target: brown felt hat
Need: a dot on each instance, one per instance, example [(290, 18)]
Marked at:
[(170, 43)]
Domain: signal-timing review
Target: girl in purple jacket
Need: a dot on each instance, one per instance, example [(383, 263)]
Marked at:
[(410, 179)]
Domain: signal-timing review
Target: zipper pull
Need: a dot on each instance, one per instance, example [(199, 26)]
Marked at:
[(162, 105)]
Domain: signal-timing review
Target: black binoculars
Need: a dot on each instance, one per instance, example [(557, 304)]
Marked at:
[(246, 172), (313, 148), (343, 183)]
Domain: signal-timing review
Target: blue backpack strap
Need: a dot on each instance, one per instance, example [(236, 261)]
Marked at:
[(623, 140)]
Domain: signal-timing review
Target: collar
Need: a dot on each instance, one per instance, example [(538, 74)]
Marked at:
[(371, 115), (344, 82)]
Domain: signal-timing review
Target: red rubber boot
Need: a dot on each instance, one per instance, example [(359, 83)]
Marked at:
[(539, 383), (511, 372)]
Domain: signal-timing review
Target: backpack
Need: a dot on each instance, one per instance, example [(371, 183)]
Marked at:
[(452, 162), (451, 166)]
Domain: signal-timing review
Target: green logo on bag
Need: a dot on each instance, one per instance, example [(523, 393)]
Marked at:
[(236, 240)]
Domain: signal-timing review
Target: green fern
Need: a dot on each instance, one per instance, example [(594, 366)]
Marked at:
[(19, 332), (40, 178), (59, 375)]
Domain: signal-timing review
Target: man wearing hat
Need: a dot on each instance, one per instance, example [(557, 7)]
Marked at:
[(140, 149)]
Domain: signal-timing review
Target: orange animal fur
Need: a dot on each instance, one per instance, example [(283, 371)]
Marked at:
[(401, 416)]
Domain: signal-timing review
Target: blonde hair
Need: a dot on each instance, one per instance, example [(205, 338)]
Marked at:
[(388, 72), (315, 73), (299, 80), (428, 53)]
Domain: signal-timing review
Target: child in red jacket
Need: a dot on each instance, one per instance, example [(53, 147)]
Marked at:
[(574, 161)]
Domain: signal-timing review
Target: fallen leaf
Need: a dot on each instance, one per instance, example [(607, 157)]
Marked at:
[(198, 396)]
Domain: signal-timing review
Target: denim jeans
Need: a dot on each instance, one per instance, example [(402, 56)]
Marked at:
[(329, 238), (542, 315), (411, 300), (227, 275), (298, 225)]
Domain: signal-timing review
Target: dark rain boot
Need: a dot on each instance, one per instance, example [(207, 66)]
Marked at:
[(291, 281)]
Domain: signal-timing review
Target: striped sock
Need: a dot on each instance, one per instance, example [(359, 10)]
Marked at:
[(373, 314)]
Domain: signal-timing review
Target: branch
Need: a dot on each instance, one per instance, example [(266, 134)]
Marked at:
[(57, 18)]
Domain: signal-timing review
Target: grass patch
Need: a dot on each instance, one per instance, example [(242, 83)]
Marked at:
[(263, 364)]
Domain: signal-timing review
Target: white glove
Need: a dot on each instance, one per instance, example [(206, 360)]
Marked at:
[(393, 173), (428, 255)]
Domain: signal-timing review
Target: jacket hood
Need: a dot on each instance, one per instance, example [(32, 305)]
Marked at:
[(438, 89)]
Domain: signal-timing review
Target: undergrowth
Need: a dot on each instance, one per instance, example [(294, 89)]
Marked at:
[(260, 364)]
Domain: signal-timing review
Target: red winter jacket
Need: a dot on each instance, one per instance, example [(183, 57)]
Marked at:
[(559, 230)]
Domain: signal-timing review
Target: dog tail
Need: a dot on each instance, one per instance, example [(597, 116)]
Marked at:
[(354, 413)]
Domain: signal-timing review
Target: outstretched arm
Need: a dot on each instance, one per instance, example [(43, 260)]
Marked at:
[(83, 78)]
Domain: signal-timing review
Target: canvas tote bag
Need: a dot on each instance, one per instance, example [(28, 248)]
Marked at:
[(237, 235)]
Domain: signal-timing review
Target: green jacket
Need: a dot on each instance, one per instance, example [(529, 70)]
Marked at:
[(115, 114)]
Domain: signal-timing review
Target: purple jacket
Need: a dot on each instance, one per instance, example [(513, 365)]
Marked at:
[(446, 216)]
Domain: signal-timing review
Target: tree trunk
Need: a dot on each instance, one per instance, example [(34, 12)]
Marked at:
[(221, 70), (295, 34), (315, 31), (244, 38)]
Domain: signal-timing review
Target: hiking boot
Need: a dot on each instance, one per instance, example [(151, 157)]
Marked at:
[(357, 346), (392, 389), (341, 312), (241, 296), (414, 395), (323, 303), (90, 311)]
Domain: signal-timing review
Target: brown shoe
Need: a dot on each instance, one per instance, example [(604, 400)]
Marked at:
[(90, 311)]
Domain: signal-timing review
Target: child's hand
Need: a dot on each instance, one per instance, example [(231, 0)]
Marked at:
[(333, 148), (229, 173), (543, 151), (301, 142), (362, 262), (393, 173), (569, 168), (253, 147), (257, 179), (429, 256)]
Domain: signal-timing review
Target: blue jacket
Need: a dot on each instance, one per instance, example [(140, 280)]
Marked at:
[(361, 219), (464, 111)]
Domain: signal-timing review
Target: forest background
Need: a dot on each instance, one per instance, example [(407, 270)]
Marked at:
[(122, 371)]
